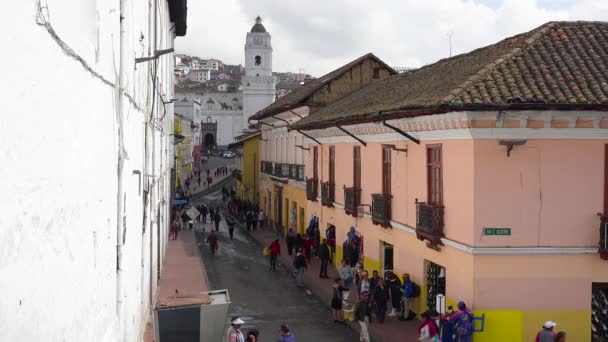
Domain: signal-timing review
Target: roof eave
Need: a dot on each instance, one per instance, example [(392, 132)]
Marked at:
[(445, 108)]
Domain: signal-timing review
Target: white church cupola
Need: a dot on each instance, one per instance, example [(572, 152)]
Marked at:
[(258, 83)]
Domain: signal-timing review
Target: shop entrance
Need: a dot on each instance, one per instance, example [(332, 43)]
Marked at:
[(599, 315), (387, 257), (435, 283)]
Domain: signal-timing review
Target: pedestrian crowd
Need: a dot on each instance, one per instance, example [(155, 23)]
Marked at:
[(187, 188)]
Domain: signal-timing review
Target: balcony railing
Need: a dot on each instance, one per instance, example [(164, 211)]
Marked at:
[(603, 247), (429, 223), (300, 173), (311, 189), (266, 167), (381, 209), (352, 199), (327, 194), (281, 170), (293, 170)]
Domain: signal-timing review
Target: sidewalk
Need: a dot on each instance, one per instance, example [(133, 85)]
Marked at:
[(182, 271), (392, 330)]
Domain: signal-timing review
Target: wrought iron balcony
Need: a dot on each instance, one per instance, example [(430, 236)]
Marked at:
[(281, 170), (352, 199), (603, 247), (429, 223), (293, 170), (266, 167), (300, 173), (381, 209), (327, 194), (311, 189)]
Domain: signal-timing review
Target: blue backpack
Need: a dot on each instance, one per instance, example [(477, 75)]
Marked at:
[(464, 325)]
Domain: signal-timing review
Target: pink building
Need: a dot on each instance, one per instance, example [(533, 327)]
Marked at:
[(482, 176)]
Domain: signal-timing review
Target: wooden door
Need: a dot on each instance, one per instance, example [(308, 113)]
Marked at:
[(357, 167), (434, 174), (386, 170)]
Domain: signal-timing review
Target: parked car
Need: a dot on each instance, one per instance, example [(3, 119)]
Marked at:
[(228, 154), (204, 158)]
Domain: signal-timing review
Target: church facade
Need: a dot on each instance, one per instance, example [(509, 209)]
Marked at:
[(221, 116)]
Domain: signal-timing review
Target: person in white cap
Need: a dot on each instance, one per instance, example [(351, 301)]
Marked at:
[(234, 334), (546, 334)]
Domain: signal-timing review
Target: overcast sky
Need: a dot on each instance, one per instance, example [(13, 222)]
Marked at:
[(319, 36)]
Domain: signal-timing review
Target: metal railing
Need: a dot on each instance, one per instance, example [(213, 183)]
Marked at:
[(281, 170), (381, 209), (266, 167), (327, 194), (352, 199), (311, 189), (300, 173), (429, 222), (293, 170)]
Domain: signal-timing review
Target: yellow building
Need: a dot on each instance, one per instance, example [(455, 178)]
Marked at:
[(247, 147), (182, 130), (282, 187)]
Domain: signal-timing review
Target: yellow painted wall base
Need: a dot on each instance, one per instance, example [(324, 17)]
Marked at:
[(515, 325)]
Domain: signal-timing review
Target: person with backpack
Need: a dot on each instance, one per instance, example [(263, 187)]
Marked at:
[(428, 330), (463, 323), (409, 292)]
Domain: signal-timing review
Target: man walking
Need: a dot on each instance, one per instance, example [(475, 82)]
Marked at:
[(234, 333), (408, 294), (324, 256), (363, 315), (212, 241), (217, 218), (299, 263), (275, 251), (230, 223), (290, 240), (261, 218)]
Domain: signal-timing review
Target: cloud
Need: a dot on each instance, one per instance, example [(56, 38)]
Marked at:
[(321, 35)]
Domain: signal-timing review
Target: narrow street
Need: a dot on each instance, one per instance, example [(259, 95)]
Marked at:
[(262, 298)]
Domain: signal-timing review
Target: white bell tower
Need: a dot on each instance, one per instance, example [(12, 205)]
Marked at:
[(258, 83)]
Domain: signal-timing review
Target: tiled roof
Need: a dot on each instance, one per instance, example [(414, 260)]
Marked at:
[(564, 64), (299, 95)]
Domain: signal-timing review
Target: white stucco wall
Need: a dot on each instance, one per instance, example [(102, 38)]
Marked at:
[(59, 152)]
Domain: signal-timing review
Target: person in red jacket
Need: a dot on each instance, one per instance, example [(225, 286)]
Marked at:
[(308, 243), (275, 251)]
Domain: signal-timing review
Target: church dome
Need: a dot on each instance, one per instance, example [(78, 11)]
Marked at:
[(258, 27)]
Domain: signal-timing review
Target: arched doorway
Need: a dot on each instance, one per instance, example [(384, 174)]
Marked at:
[(209, 141)]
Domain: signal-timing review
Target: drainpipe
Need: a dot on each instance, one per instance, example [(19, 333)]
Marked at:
[(120, 198)]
